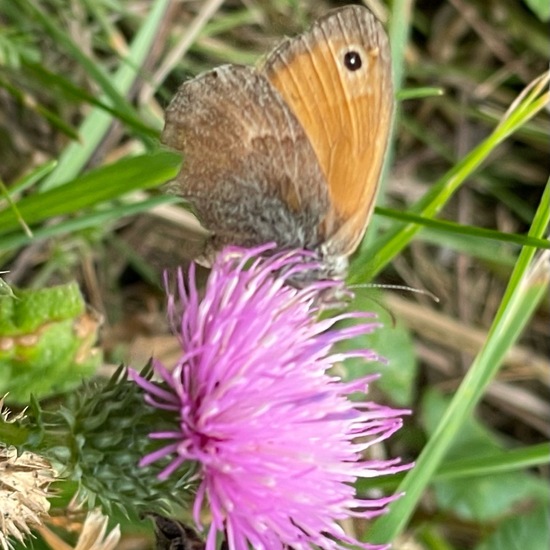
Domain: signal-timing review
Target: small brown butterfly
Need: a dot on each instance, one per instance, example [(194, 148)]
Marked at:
[(292, 151)]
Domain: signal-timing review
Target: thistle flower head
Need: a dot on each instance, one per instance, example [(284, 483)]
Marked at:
[(24, 485), (278, 442), (94, 534)]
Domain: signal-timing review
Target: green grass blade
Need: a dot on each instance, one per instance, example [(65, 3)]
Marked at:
[(12, 207), (419, 93), (90, 65), (105, 183), (84, 221), (65, 88), (509, 461), (528, 284), (460, 229), (28, 180), (512, 460), (31, 104), (94, 127), (381, 251)]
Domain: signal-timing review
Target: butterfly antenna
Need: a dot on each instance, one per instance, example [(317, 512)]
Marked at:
[(421, 291)]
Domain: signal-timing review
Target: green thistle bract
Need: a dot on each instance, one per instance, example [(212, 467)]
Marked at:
[(97, 438)]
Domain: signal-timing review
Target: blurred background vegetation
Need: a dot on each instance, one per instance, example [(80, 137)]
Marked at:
[(83, 85)]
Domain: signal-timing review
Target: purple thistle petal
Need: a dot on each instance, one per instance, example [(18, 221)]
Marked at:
[(277, 440)]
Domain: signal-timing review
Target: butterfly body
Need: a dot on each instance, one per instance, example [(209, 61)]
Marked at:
[(292, 151)]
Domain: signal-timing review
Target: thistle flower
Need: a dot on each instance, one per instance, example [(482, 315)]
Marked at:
[(93, 535), (24, 485), (277, 440)]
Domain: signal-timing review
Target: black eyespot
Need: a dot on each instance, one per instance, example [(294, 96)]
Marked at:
[(352, 60)]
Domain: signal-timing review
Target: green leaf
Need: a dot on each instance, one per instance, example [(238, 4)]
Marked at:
[(30, 309), (47, 341), (392, 341), (477, 498), (529, 530), (541, 8)]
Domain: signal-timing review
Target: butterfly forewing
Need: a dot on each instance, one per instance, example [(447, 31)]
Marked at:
[(336, 78)]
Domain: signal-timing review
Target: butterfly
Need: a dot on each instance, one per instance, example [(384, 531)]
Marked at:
[(290, 151)]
